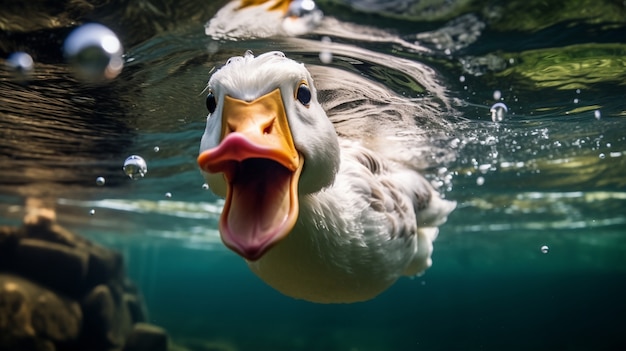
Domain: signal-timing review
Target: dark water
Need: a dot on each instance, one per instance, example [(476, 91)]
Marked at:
[(551, 173)]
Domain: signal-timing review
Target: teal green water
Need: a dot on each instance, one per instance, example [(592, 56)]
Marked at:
[(551, 173)]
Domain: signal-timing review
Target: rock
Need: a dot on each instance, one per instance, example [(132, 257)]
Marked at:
[(35, 318), (104, 265), (61, 292), (107, 319), (8, 241), (146, 337), (60, 267), (135, 307)]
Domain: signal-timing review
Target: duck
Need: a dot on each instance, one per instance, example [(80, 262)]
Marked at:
[(318, 215)]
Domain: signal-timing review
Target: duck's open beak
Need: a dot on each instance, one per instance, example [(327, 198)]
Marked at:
[(261, 167)]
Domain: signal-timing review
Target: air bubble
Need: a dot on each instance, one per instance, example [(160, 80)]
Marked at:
[(301, 8), (545, 249), (602, 156), (168, 195), (205, 186), (21, 64), (92, 212), (156, 149), (575, 101), (484, 168), (498, 111), (326, 56), (95, 52), (597, 114), (100, 181), (135, 167), (462, 79), (497, 95), (480, 181)]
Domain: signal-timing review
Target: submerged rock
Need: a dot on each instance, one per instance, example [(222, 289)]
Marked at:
[(32, 316), (62, 292)]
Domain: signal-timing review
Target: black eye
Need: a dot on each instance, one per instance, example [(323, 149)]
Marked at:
[(211, 103), (303, 94)]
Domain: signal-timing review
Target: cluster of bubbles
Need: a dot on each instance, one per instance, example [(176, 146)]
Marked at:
[(94, 52)]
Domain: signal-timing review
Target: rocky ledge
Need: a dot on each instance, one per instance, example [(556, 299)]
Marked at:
[(62, 292)]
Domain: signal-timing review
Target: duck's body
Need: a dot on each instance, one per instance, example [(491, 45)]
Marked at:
[(355, 238), (318, 217)]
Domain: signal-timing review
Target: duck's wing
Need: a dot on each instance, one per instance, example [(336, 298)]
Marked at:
[(403, 206)]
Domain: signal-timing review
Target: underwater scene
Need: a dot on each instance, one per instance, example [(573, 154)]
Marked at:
[(436, 175)]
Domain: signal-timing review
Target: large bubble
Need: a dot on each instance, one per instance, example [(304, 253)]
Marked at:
[(95, 52)]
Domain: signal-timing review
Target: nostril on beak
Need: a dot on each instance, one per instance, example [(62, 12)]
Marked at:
[(267, 129)]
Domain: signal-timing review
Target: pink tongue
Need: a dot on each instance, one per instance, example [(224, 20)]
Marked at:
[(259, 205)]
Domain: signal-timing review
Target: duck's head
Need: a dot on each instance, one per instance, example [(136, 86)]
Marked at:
[(267, 142)]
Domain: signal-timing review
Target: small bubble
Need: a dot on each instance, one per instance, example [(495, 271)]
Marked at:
[(511, 61), (447, 51), (597, 114), (545, 249), (480, 181), (301, 8), (100, 181), (135, 167), (168, 195), (156, 149), (213, 47), (484, 168), (498, 111), (92, 212), (95, 52), (205, 186), (326, 56), (497, 95), (577, 91), (462, 79), (21, 64), (602, 156), (576, 100)]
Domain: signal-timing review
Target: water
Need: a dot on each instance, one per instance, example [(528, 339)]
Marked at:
[(534, 256)]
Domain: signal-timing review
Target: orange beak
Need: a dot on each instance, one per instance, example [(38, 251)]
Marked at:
[(261, 167)]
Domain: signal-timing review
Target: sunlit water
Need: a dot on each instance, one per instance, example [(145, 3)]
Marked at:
[(534, 256)]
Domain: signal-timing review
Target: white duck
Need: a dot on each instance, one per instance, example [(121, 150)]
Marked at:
[(316, 216)]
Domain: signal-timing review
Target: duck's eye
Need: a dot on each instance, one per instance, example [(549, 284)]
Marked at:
[(211, 103), (303, 94)]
